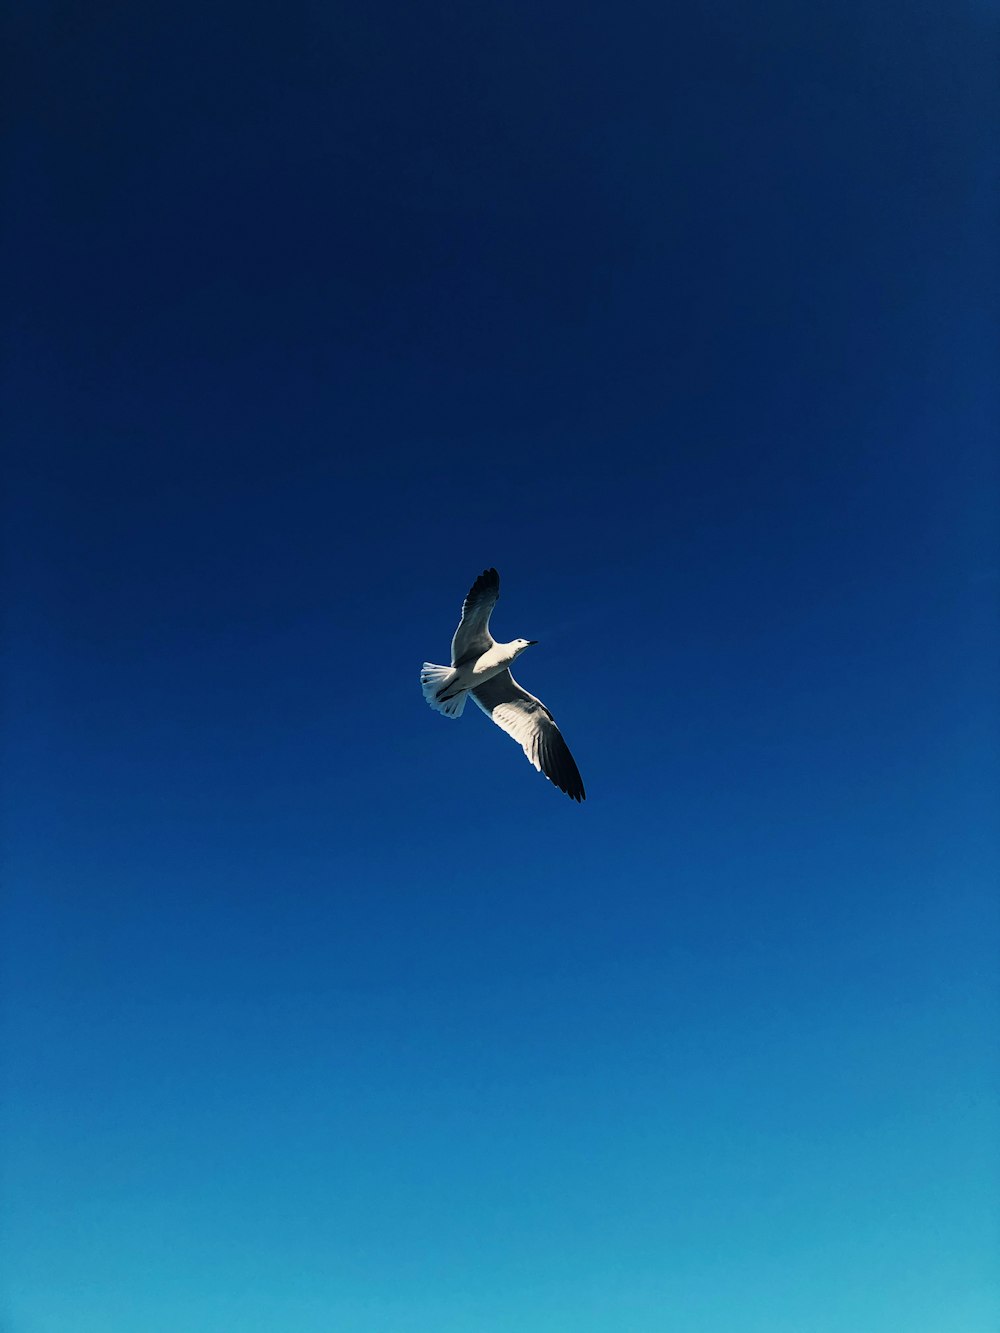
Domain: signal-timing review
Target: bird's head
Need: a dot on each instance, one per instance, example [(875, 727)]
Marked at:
[(521, 644)]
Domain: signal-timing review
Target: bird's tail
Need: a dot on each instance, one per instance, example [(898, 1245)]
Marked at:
[(434, 681)]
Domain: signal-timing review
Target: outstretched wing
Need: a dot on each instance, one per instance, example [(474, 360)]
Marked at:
[(473, 637), (526, 718)]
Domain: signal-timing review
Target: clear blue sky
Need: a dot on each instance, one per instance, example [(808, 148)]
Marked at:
[(324, 1014)]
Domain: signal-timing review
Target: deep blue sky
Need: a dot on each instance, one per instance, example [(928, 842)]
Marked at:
[(323, 1013)]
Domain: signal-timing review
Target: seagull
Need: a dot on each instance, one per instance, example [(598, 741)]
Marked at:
[(480, 667)]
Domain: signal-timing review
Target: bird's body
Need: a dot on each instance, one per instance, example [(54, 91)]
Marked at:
[(480, 669), (474, 671)]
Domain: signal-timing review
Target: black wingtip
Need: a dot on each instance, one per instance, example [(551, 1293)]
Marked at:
[(570, 783), (487, 582)]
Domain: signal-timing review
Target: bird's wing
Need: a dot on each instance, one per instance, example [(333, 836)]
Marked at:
[(473, 637), (526, 718)]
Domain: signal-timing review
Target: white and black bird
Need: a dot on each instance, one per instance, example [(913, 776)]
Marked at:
[(480, 667)]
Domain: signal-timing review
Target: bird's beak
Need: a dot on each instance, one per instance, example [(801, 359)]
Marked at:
[(531, 641)]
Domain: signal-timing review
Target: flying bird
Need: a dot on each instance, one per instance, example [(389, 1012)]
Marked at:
[(480, 667)]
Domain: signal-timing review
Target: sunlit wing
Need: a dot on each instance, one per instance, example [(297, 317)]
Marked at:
[(526, 718)]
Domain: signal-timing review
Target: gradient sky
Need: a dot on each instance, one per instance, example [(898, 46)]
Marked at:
[(324, 1014)]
